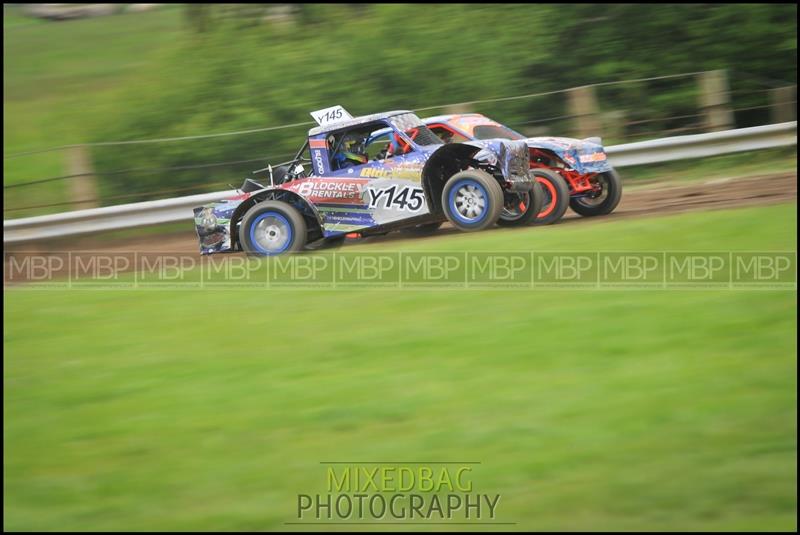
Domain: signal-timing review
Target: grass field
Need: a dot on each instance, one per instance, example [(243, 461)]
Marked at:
[(589, 410)]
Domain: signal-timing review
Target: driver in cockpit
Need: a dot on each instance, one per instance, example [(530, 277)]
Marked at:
[(352, 151)]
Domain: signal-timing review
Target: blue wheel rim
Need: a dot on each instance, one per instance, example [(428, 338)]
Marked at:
[(271, 233), (464, 191)]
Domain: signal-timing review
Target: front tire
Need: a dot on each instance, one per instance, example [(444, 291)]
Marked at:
[(604, 202), (472, 200), (271, 228)]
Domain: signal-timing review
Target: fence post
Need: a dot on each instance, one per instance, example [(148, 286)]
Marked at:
[(583, 106), (83, 187), (613, 126), (715, 100), (783, 104)]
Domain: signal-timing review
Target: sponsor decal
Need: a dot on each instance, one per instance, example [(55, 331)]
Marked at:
[(318, 162), (322, 190), (595, 157), (403, 198), (411, 172)]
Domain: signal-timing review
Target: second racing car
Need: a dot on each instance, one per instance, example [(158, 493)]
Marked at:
[(573, 173)]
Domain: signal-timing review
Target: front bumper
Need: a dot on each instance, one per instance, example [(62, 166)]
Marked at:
[(516, 164), (511, 158), (213, 225)]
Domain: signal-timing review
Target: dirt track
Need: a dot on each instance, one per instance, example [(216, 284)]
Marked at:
[(637, 201)]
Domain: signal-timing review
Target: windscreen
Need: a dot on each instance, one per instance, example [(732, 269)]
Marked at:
[(487, 131)]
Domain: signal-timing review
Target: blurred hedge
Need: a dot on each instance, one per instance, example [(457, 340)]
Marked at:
[(234, 71)]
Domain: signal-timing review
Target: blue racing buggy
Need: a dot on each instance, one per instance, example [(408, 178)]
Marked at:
[(372, 175)]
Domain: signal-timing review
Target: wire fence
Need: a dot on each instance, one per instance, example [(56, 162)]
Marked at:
[(629, 124), (149, 170), (186, 189), (310, 123)]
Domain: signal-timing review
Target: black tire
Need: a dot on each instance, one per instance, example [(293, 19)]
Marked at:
[(512, 216), (604, 204), (279, 220), (423, 230), (538, 199), (472, 192), (556, 196)]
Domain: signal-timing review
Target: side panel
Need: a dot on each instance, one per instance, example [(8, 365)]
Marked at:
[(364, 196), (319, 155), (339, 202)]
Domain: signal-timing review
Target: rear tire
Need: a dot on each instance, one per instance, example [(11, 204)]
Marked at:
[(271, 228), (472, 200), (607, 200), (556, 196), (523, 208)]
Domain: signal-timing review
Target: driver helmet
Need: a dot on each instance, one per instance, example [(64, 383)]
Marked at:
[(352, 151)]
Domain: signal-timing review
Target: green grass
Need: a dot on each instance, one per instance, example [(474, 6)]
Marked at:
[(589, 410), (61, 81)]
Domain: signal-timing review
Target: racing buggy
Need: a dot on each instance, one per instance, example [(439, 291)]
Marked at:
[(372, 175), (572, 172)]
